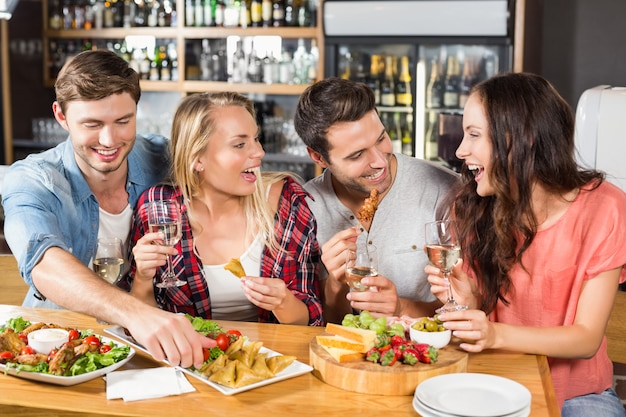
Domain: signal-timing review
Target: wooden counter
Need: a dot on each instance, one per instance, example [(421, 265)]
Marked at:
[(302, 396)]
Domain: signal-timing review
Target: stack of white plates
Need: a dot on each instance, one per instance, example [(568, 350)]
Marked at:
[(471, 395)]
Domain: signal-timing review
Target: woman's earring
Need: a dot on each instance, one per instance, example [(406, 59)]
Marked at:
[(200, 168)]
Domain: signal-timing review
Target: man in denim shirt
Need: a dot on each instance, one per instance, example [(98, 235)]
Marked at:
[(57, 203)]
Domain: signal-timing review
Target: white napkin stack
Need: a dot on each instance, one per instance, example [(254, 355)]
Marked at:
[(143, 384)]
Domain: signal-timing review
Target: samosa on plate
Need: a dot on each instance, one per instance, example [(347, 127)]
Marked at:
[(225, 376), (245, 375), (260, 368), (279, 363), (210, 368)]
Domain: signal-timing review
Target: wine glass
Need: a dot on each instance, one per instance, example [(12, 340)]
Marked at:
[(109, 261), (164, 216), (361, 263), (443, 250)]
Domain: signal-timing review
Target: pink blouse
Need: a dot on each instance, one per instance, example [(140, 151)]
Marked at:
[(588, 239)]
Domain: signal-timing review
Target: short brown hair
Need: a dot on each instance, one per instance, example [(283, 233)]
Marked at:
[(94, 75)]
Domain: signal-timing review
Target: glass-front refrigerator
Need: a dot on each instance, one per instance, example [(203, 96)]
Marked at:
[(421, 58)]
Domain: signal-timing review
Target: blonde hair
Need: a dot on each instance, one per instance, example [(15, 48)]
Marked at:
[(192, 127)]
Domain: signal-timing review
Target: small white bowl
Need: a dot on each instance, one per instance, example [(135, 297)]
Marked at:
[(44, 340), (436, 339)]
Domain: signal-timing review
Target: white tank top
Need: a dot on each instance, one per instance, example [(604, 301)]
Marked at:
[(228, 301)]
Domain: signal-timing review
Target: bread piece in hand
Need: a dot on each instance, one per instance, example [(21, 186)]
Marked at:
[(235, 267)]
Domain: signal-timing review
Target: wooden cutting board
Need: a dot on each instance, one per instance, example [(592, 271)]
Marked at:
[(371, 378)]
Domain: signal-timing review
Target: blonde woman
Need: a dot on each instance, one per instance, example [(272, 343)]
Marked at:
[(230, 210)]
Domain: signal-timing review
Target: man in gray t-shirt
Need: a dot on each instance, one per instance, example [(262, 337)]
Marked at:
[(338, 121)]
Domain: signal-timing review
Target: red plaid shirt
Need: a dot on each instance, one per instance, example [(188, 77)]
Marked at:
[(297, 265)]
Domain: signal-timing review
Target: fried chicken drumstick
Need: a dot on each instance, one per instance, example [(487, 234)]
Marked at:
[(367, 210)]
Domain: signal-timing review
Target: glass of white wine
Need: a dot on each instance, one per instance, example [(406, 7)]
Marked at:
[(164, 216), (360, 264), (109, 260), (443, 250)]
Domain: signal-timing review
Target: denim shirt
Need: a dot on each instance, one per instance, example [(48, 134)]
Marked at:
[(47, 203)]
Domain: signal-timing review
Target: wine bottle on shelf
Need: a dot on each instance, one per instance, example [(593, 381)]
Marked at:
[(291, 14), (239, 71), (451, 89), (387, 87), (256, 15), (404, 94), (373, 79), (304, 14), (278, 13), (315, 58), (434, 89), (407, 135), (266, 13), (395, 132), (467, 81)]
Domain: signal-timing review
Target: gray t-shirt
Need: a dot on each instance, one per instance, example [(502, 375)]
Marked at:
[(397, 230)]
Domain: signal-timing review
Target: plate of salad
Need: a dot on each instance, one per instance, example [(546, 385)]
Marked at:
[(83, 357)]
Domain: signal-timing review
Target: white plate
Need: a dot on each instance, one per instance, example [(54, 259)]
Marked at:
[(426, 411), (70, 380), (473, 395), (295, 369)]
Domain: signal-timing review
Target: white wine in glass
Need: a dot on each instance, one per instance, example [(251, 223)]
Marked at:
[(443, 250), (164, 216), (109, 261), (360, 264)]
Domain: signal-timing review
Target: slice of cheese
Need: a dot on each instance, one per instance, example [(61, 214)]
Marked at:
[(341, 342), (364, 336), (343, 355)]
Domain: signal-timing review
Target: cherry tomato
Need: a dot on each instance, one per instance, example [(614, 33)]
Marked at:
[(92, 340), (104, 348), (206, 354), (23, 337), (6, 355), (74, 334), (223, 341), (234, 332), (27, 350)]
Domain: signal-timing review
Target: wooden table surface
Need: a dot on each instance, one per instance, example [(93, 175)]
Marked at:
[(302, 395)]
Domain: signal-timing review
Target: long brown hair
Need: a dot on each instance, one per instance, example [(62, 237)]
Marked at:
[(531, 128)]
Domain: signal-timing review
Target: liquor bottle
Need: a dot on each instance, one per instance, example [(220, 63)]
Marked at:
[(266, 13), (190, 13), (155, 66), (199, 13), (172, 56), (244, 13), (206, 65), (434, 89), (404, 95), (255, 67), (256, 15), (239, 71), (270, 69), (387, 85), (315, 59), (278, 13), (166, 73), (304, 14), (208, 15), (373, 79), (291, 14), (301, 62), (451, 89), (56, 20), (220, 9), (467, 81)]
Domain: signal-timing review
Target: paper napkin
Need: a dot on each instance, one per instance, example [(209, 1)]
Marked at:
[(143, 384)]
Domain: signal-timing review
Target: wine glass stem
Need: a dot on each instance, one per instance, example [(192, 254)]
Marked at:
[(446, 276), (168, 273)]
